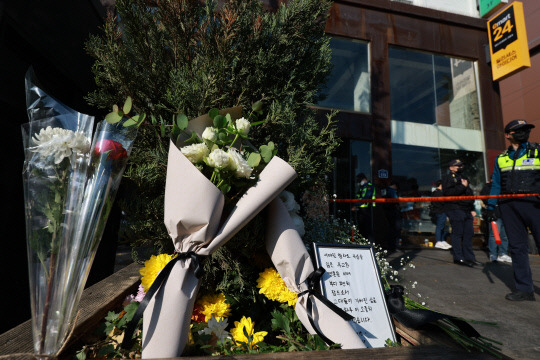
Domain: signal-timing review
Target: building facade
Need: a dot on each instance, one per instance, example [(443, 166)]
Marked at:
[(521, 91), (414, 88)]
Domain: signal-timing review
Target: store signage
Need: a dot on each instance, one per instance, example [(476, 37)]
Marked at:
[(489, 7), (382, 173), (508, 41)]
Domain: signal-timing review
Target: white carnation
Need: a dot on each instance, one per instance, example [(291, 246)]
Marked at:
[(196, 152), (210, 134), (60, 143), (218, 159), (243, 126), (239, 164)]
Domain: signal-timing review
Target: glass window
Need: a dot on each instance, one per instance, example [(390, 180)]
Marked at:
[(415, 170), (353, 158), (348, 87), (433, 89)]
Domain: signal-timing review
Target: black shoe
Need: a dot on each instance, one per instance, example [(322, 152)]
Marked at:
[(464, 263), (520, 296), (477, 263)]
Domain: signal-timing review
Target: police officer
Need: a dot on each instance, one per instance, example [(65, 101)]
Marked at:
[(366, 190), (517, 171), (460, 213)]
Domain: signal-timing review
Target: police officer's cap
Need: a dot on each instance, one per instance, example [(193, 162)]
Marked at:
[(517, 124), (455, 162)]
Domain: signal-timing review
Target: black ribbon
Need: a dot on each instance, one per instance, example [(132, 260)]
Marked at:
[(313, 280), (416, 318), (162, 277)]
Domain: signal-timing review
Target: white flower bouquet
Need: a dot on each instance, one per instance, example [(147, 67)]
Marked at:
[(69, 186), (216, 183)]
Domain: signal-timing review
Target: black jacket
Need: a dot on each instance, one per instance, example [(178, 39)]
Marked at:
[(437, 207), (452, 186)]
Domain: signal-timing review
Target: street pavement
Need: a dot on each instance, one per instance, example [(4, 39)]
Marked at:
[(475, 294)]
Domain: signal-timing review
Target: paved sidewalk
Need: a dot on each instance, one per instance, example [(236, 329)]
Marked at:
[(476, 294)]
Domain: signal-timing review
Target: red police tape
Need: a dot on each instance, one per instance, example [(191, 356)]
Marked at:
[(430, 199)]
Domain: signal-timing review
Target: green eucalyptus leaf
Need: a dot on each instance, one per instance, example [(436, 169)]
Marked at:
[(194, 139), (153, 119), (257, 106), (127, 105), (115, 108), (271, 145), (266, 153), (129, 122), (213, 113), (225, 188), (220, 122), (182, 121), (142, 118), (175, 132), (254, 160), (113, 117)]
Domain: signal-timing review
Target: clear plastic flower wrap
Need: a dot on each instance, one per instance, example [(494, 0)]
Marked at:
[(69, 183)]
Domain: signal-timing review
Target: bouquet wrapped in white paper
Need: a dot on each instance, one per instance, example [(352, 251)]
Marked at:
[(70, 183), (199, 177)]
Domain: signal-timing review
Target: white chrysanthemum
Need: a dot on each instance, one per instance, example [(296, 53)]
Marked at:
[(210, 134), (60, 143), (239, 164), (218, 159), (217, 327), (243, 126), (196, 152)]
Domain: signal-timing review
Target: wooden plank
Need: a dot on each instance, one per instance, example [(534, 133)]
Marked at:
[(389, 353), (95, 302)]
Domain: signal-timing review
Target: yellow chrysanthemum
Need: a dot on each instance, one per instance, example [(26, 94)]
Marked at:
[(151, 269), (238, 332), (273, 287), (215, 305)]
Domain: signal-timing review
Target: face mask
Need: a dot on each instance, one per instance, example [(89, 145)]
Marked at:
[(459, 170), (363, 182), (521, 136)]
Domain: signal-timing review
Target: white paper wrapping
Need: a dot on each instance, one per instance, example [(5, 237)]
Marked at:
[(193, 209), (294, 265)]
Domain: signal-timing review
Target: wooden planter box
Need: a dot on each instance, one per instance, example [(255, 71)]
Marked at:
[(106, 295)]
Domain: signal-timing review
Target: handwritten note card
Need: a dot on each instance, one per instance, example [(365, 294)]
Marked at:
[(352, 282)]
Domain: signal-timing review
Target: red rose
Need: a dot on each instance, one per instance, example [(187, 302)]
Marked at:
[(114, 149)]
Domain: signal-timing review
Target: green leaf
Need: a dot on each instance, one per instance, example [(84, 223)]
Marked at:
[(127, 105), (113, 117), (142, 118), (213, 113), (130, 122), (254, 160), (154, 120), (182, 121), (220, 122), (225, 188), (266, 153), (107, 349), (81, 355), (257, 106), (175, 131), (162, 128), (194, 139)]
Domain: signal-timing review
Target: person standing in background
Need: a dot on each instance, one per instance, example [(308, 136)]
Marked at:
[(392, 213), (517, 171), (460, 213), (364, 211), (496, 252), (439, 218)]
